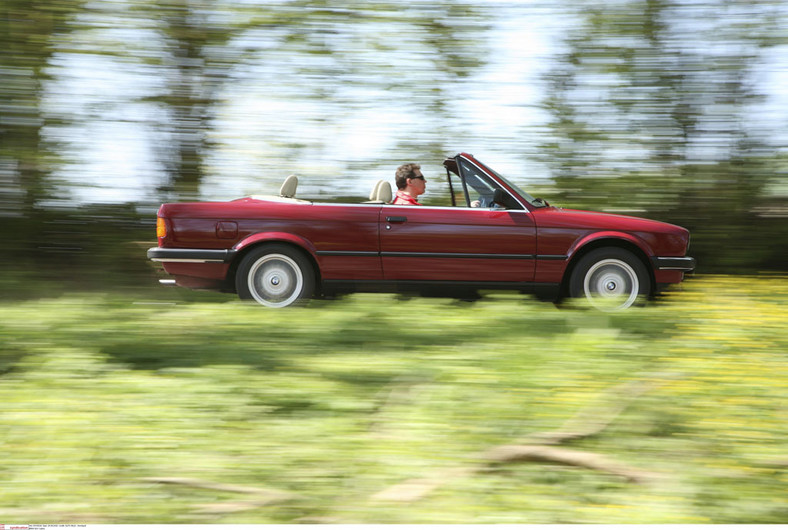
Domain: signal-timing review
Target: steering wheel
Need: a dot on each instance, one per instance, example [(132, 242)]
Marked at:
[(482, 202)]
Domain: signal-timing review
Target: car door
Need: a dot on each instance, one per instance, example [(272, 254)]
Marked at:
[(457, 244)]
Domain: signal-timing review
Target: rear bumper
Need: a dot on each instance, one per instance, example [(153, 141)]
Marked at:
[(684, 264), (190, 255)]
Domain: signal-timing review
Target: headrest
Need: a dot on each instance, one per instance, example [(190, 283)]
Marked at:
[(373, 195), (289, 187), (384, 192)]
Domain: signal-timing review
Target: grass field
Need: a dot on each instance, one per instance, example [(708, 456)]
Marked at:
[(184, 408)]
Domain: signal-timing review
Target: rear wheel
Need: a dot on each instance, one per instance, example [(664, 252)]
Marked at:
[(275, 276), (610, 279)]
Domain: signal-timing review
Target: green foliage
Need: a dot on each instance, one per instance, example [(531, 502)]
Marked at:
[(340, 400), (27, 30), (650, 113), (94, 248)]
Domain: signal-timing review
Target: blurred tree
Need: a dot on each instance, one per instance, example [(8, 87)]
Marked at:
[(28, 33), (455, 40), (332, 51), (388, 54), (650, 113), (196, 64)]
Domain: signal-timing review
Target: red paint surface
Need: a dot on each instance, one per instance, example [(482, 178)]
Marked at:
[(524, 235)]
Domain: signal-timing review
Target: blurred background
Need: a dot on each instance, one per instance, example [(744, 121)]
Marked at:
[(127, 402), (674, 110)]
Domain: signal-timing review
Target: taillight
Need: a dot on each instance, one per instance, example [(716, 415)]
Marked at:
[(161, 227)]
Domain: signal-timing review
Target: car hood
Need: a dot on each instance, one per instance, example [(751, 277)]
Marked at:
[(553, 217), (575, 226)]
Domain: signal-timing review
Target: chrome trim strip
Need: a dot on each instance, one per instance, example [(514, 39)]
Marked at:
[(453, 208), (187, 260), (190, 255), (353, 253), (422, 207), (454, 255), (673, 264), (360, 253)]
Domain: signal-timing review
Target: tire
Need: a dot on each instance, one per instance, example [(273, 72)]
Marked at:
[(275, 276), (610, 279)]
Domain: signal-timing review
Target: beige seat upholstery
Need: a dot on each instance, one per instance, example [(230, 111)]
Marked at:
[(380, 194), (373, 195), (384, 192), (288, 189)]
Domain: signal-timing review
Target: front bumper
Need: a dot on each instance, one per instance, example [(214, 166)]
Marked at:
[(684, 264), (191, 255)]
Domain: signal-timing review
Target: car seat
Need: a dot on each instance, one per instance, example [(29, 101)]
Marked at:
[(380, 194), (289, 186)]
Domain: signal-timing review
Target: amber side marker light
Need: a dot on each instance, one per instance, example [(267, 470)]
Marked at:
[(161, 227)]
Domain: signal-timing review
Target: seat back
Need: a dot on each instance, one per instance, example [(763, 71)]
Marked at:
[(373, 195), (384, 192), (381, 193), (288, 189)]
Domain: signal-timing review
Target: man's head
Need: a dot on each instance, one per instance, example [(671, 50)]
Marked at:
[(410, 179)]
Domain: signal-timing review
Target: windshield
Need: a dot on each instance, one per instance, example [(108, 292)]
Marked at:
[(538, 203)]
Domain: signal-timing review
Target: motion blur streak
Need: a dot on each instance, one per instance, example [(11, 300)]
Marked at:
[(670, 109), (120, 410), (128, 403)]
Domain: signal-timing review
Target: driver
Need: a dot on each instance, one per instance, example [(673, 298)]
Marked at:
[(410, 184)]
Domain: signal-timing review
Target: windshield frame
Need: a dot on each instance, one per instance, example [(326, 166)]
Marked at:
[(531, 200), (453, 164)]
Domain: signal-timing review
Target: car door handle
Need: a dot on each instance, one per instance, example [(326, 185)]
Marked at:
[(396, 219)]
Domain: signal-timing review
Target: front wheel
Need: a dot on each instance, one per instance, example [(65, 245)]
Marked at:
[(275, 276), (610, 279)]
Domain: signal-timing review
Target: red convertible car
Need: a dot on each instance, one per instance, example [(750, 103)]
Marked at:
[(279, 250)]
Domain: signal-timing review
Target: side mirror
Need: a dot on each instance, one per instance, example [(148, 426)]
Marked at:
[(504, 199)]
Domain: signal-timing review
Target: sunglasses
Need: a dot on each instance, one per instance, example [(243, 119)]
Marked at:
[(419, 177)]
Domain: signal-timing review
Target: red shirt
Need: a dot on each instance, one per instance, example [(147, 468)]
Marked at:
[(404, 198)]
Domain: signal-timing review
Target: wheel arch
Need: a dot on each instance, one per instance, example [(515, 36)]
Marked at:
[(602, 242), (257, 241)]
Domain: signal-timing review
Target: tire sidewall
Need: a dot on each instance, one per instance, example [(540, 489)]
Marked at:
[(253, 256), (576, 281)]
